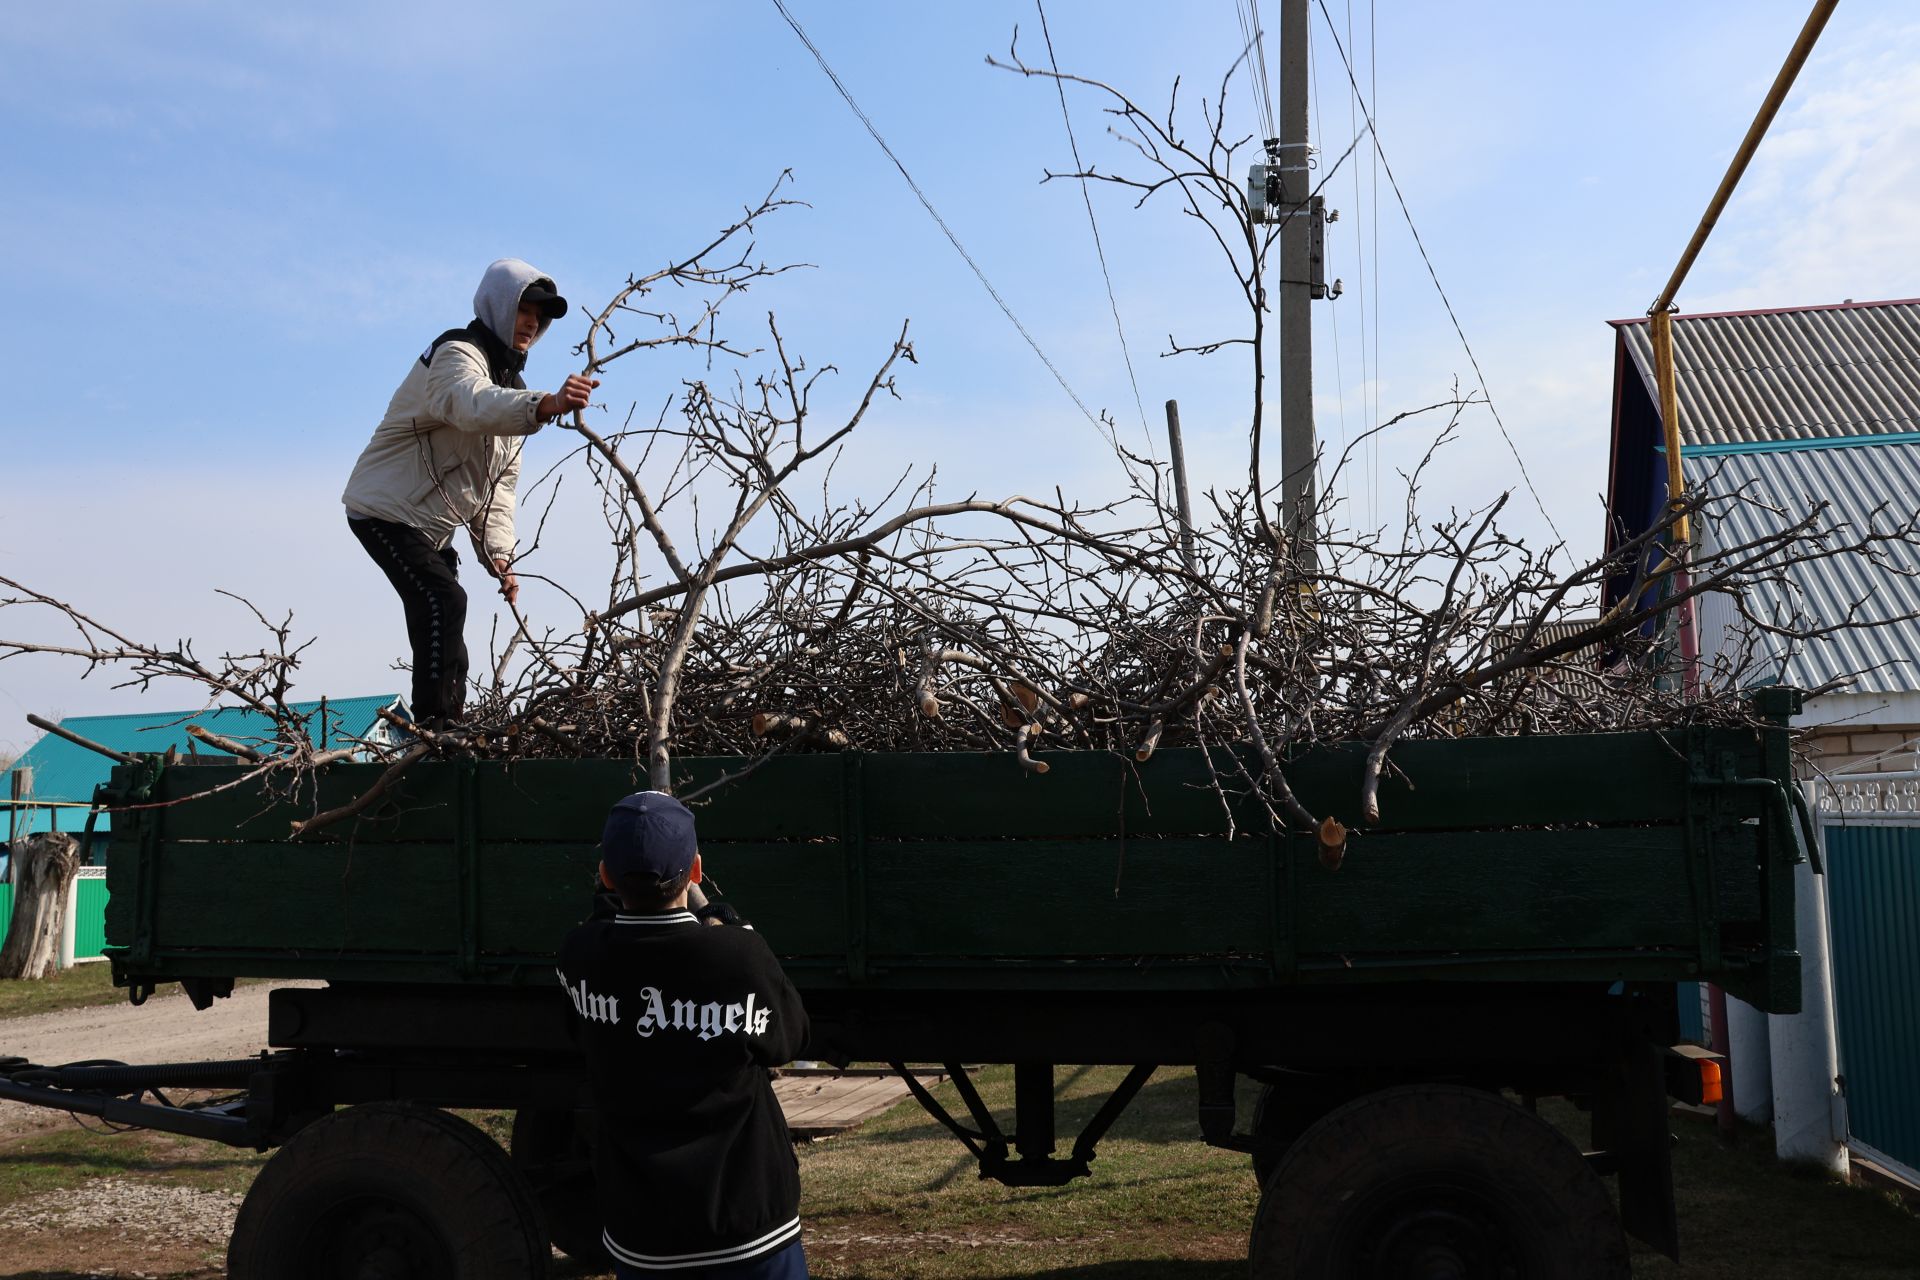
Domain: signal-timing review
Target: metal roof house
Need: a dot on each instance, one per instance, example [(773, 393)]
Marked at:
[(63, 774), (1795, 407)]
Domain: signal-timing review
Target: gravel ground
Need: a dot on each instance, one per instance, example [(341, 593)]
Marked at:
[(158, 1214)]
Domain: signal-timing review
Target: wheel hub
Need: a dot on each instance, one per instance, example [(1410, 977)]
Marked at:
[(1432, 1230), (371, 1239)]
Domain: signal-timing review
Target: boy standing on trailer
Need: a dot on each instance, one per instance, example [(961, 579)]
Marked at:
[(680, 1024), (446, 456)]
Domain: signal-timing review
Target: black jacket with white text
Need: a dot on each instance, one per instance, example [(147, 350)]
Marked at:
[(680, 1022)]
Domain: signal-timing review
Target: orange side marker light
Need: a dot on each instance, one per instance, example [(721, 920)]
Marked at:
[(1709, 1083)]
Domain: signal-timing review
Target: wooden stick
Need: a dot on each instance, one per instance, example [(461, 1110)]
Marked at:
[(783, 726), (1333, 842), (414, 754), (555, 733), (777, 723), (79, 741), (1027, 762), (398, 721), (227, 745)]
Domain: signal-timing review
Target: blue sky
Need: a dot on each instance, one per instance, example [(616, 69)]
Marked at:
[(232, 226)]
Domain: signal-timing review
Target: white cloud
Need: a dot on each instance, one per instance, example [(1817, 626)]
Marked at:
[(1831, 206)]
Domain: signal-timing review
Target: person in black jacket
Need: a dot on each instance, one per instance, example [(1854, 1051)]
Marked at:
[(680, 1024)]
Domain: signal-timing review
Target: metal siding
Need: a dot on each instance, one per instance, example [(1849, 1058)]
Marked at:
[(1810, 374), (89, 918), (64, 771), (1721, 630), (1873, 899), (1784, 486), (1693, 1029)]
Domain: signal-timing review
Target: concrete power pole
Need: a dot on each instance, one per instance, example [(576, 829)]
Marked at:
[(1297, 490)]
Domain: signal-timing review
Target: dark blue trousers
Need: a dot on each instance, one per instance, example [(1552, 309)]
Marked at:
[(787, 1264)]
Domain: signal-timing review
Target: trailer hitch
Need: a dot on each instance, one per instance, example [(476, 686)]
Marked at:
[(114, 1091), (1033, 1136)]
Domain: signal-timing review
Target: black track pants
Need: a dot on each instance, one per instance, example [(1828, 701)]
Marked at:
[(428, 581)]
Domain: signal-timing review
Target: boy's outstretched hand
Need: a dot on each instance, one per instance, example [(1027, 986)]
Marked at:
[(575, 393)]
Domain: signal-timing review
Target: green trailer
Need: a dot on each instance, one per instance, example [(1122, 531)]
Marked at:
[(1512, 928)]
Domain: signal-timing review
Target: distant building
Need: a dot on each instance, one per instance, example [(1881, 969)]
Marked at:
[(61, 776), (1795, 406)]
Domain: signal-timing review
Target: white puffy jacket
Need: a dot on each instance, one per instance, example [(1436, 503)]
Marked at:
[(447, 453)]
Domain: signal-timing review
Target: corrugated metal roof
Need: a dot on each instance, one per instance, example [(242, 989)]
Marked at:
[(1882, 658), (1806, 374), (63, 771), (1576, 673)]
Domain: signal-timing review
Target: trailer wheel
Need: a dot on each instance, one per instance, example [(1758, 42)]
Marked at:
[(1435, 1182), (553, 1149), (388, 1191), (1283, 1112)]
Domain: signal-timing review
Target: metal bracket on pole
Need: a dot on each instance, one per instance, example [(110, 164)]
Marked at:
[(1317, 249)]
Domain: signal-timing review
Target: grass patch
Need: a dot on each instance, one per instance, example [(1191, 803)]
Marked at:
[(80, 987), (44, 1162), (900, 1198), (1745, 1215), (84, 986)]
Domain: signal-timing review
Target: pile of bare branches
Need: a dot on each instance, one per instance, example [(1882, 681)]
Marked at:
[(800, 620)]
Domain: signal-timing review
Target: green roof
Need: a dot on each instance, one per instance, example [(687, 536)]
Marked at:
[(63, 771)]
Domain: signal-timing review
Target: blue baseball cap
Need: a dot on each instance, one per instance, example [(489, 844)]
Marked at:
[(649, 833)]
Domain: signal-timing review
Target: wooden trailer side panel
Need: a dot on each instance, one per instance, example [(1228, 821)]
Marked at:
[(1557, 859)]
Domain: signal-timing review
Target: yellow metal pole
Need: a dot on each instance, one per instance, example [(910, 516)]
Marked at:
[(1662, 325), (1665, 380), (1796, 58)]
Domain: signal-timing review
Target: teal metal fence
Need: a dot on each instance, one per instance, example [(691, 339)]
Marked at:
[(89, 918), (1873, 903)]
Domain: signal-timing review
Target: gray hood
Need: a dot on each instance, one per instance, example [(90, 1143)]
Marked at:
[(497, 301)]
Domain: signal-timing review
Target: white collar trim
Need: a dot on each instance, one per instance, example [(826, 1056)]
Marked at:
[(669, 917)]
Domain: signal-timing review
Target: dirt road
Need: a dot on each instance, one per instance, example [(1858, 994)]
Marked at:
[(164, 1029)]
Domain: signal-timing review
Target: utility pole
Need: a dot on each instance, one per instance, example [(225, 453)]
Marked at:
[(1297, 491), (1177, 453), (1279, 191)]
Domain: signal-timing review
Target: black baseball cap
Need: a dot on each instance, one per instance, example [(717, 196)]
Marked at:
[(649, 833), (542, 295)]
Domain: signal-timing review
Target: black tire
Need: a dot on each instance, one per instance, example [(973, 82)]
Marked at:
[(389, 1190), (1435, 1182), (1284, 1112), (553, 1149)]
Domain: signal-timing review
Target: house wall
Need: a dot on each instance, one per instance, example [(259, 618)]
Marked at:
[(1877, 748), (1861, 733)]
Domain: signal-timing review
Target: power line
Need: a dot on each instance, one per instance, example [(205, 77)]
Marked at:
[(1260, 62), (1098, 248), (1369, 406), (1445, 301), (1373, 205), (1262, 88), (934, 213), (1339, 361)]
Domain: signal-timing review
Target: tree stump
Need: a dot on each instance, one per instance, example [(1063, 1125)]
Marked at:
[(43, 871)]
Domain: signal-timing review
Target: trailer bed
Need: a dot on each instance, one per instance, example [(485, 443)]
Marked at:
[(1645, 857)]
